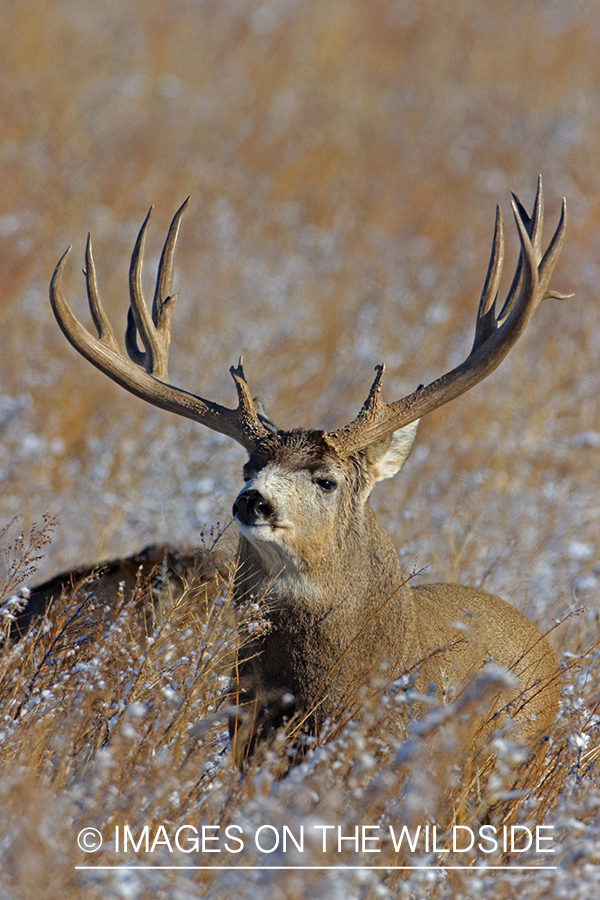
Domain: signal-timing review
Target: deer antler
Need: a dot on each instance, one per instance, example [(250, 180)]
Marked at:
[(145, 372), (494, 334)]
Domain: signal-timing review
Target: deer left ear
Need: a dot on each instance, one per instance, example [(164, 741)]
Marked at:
[(387, 457)]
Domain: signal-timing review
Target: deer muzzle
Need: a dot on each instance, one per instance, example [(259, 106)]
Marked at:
[(251, 508)]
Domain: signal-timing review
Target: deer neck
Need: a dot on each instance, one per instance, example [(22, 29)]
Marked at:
[(346, 619), (349, 578)]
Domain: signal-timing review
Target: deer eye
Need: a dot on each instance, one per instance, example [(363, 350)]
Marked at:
[(328, 485)]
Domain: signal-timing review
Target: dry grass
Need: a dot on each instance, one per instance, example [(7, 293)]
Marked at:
[(112, 721), (344, 160)]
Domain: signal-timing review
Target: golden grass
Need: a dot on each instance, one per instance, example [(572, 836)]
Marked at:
[(114, 719)]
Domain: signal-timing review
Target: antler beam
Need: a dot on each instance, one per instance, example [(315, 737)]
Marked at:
[(145, 372), (495, 334)]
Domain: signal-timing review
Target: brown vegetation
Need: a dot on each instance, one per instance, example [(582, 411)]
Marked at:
[(112, 719), (328, 148)]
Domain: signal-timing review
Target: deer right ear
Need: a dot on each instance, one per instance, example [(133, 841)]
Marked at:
[(389, 455)]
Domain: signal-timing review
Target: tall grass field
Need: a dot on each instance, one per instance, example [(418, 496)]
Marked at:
[(344, 160)]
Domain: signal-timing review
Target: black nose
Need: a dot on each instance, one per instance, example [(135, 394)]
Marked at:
[(251, 507)]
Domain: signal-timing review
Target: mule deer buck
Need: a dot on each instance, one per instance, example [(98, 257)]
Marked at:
[(340, 604)]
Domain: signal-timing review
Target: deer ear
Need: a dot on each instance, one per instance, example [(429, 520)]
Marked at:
[(389, 456)]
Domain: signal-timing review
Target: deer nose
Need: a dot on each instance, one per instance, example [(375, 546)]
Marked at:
[(251, 506)]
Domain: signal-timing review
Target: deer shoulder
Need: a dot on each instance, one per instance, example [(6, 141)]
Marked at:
[(342, 609)]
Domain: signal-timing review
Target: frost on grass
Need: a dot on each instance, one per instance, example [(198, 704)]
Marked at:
[(20, 555), (119, 719)]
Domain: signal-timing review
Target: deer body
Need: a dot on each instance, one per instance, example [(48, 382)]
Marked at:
[(340, 605), (343, 612)]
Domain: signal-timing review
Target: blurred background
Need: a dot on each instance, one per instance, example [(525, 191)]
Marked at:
[(344, 160)]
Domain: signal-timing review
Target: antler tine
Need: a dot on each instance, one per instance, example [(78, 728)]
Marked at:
[(485, 324), (156, 331), (153, 357), (535, 222), (139, 373), (164, 299), (494, 336), (534, 225), (550, 258), (101, 320)]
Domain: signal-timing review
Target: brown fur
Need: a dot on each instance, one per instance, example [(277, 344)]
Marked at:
[(154, 567), (351, 610)]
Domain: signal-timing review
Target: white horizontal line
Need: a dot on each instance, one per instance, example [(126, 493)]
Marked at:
[(304, 868)]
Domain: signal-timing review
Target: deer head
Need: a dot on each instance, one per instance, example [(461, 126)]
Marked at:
[(299, 478), (305, 525)]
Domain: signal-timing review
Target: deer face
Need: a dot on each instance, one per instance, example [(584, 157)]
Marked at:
[(301, 500)]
